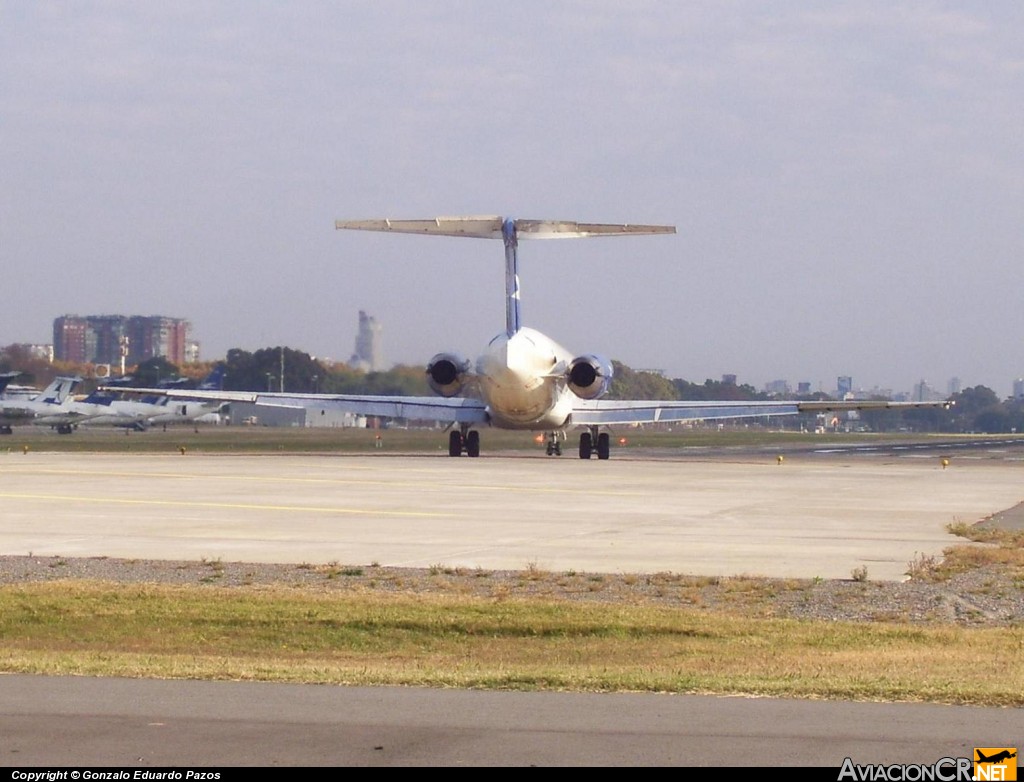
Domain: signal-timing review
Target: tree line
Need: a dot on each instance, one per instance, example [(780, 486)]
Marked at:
[(976, 409)]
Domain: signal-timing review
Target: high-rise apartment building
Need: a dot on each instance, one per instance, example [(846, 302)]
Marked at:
[(102, 339)]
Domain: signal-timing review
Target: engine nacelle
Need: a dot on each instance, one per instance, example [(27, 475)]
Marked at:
[(446, 373), (589, 376)]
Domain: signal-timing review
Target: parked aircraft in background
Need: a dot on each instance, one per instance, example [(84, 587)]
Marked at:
[(50, 407), (523, 379), (5, 380), (192, 410), (151, 409)]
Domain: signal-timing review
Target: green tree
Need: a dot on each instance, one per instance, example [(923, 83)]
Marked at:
[(261, 371), (150, 372), (630, 384), (715, 389)]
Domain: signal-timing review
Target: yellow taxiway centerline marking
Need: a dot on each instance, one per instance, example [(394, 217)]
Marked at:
[(235, 505)]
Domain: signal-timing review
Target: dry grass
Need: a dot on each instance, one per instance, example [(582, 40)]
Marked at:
[(1002, 548), (445, 640)]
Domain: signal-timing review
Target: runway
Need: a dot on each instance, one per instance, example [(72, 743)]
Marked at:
[(809, 516)]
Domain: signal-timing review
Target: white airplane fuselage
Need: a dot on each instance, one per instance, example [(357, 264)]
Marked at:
[(521, 378)]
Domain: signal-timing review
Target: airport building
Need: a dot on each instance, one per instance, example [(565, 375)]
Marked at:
[(106, 339), (248, 414)]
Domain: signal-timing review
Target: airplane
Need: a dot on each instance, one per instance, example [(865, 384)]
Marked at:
[(996, 758), (523, 379), (53, 405)]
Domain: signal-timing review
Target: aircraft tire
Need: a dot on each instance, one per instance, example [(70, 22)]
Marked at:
[(604, 446), (455, 443), (473, 443), (586, 445)]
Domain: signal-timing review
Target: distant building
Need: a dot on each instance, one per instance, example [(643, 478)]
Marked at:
[(33, 350), (728, 380), (1018, 388), (368, 355), (844, 386), (953, 386), (104, 339), (248, 414), (777, 388), (925, 393), (803, 388), (192, 352)]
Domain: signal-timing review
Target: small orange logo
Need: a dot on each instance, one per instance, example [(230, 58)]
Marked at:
[(995, 763)]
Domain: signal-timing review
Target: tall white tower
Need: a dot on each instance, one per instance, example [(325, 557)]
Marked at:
[(368, 355)]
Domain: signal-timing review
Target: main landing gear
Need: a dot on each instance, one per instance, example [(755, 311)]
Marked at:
[(464, 441), (603, 447)]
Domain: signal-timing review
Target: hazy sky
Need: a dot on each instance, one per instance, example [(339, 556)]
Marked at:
[(847, 179)]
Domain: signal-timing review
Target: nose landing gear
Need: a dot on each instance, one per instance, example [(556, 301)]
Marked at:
[(554, 444)]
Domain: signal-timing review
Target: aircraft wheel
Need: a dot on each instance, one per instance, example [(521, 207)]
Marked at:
[(473, 443), (604, 446), (586, 445), (455, 443)]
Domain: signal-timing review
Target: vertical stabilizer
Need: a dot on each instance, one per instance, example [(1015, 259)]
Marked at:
[(512, 319)]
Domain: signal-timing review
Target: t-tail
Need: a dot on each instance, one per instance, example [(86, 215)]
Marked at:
[(215, 380), (510, 231), (59, 390)]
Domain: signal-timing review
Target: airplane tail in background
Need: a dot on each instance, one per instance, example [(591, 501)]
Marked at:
[(59, 390), (215, 380), (509, 230), (6, 378)]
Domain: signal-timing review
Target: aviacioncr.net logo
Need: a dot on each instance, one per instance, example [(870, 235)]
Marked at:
[(998, 764)]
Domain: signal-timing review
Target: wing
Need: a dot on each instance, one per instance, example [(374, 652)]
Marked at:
[(417, 408), (608, 412)]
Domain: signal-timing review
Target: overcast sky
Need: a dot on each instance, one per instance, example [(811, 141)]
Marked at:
[(847, 179)]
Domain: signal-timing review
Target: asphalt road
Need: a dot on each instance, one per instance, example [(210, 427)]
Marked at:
[(136, 724)]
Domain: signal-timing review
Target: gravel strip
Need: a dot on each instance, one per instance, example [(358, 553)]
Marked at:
[(987, 596)]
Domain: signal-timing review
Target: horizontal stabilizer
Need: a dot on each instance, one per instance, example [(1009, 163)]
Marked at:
[(478, 227), (564, 229), (491, 227)]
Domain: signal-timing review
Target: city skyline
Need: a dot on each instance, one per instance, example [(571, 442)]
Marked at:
[(368, 356)]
